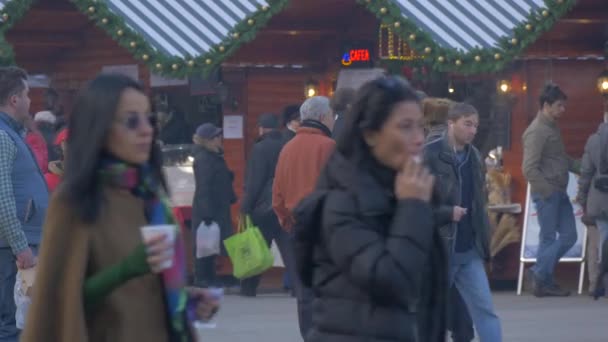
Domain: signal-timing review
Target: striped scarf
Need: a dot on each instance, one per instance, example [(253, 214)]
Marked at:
[(142, 183)]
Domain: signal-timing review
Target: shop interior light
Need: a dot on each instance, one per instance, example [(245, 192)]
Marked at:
[(602, 83), (311, 89), (504, 86)]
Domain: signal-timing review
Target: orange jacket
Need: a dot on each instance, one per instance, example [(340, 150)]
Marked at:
[(300, 164)]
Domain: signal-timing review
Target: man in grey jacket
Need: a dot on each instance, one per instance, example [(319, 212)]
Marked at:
[(591, 196), (546, 166)]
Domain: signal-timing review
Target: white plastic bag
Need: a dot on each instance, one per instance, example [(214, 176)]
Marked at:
[(23, 288), (278, 260), (207, 240)]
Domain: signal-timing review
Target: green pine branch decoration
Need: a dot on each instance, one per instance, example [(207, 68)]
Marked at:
[(11, 13), (476, 60), (172, 66)]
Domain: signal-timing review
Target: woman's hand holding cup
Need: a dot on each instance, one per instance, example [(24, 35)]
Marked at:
[(159, 242)]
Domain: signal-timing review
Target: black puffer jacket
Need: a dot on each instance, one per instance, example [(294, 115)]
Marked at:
[(378, 266)]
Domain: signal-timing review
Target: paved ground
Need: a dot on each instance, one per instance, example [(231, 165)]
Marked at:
[(272, 318)]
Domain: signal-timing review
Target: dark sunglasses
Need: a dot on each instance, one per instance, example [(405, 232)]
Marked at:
[(133, 121)]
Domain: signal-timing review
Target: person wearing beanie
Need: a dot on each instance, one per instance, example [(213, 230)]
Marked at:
[(46, 123), (213, 196), (291, 121), (55, 170), (257, 201)]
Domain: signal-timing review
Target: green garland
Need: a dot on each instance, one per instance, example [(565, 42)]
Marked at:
[(477, 60), (171, 66), (11, 13), (439, 58)]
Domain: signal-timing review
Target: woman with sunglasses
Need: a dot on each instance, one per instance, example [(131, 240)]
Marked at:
[(97, 280), (365, 240)]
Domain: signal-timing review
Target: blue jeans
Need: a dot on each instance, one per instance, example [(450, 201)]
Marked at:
[(286, 280), (557, 233), (8, 273), (467, 272)]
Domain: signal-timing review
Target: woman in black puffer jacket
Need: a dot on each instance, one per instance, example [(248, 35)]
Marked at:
[(364, 239)]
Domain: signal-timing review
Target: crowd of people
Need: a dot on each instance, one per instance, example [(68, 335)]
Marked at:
[(375, 198)]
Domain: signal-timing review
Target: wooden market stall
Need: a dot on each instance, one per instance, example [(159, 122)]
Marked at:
[(571, 54)]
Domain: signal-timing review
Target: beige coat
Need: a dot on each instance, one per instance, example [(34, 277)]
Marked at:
[(72, 250)]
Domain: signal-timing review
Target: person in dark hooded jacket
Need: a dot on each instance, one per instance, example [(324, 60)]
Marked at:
[(365, 238)]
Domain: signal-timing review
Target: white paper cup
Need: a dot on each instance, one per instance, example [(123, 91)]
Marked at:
[(150, 232)]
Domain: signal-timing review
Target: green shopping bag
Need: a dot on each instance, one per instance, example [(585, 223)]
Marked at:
[(248, 251)]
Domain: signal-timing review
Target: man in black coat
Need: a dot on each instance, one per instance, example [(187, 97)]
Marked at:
[(257, 202), (460, 214), (459, 322)]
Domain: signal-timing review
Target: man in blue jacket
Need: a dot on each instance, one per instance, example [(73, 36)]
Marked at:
[(23, 195)]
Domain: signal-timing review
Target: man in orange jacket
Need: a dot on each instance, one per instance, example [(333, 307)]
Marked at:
[(298, 169)]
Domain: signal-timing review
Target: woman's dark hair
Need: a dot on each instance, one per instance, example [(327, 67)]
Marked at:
[(373, 105), (550, 94), (90, 124)]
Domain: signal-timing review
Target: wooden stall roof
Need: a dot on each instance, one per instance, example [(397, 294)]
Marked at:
[(581, 34), (179, 38)]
